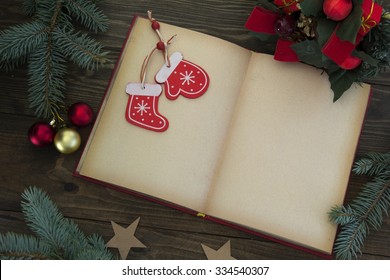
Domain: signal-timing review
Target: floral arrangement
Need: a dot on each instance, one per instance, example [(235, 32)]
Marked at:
[(348, 39)]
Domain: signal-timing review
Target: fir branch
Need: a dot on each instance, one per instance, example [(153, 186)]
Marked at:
[(30, 7), (18, 41), (96, 251), (22, 247), (373, 164), (47, 11), (88, 14), (350, 240), (342, 215), (39, 43), (61, 238), (84, 51), (50, 225), (46, 80), (366, 211)]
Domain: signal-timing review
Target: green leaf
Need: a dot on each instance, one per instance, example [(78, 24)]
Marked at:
[(366, 58), (324, 29), (357, 2), (348, 28), (265, 37), (311, 8), (268, 6), (340, 81), (309, 52)]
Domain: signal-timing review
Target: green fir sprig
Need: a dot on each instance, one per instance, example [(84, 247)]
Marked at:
[(56, 236), (367, 210), (47, 42)]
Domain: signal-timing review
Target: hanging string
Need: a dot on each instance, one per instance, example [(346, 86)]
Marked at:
[(162, 45), (146, 62)]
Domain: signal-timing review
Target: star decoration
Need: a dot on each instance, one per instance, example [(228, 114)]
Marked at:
[(222, 253), (124, 239)]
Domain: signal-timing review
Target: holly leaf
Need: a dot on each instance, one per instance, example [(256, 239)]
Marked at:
[(311, 8), (357, 2), (309, 52), (340, 81), (324, 29), (366, 58), (268, 6), (265, 37), (348, 28)]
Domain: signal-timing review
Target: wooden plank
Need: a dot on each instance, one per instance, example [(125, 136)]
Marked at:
[(168, 233)]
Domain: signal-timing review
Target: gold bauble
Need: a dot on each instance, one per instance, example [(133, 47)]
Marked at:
[(67, 140)]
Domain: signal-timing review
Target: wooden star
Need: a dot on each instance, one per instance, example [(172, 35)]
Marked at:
[(124, 239), (222, 253)]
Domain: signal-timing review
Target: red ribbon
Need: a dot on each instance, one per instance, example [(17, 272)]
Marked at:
[(263, 21)]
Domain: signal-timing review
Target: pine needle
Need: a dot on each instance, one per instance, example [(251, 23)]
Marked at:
[(46, 42), (367, 210)]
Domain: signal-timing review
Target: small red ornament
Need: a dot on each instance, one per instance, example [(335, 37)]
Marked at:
[(285, 26), (80, 114), (155, 25), (41, 134), (160, 46), (337, 9)]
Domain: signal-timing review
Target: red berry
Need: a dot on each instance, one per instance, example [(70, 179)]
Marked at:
[(155, 25), (161, 46)]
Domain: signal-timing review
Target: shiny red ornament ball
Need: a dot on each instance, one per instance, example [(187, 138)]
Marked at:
[(41, 134), (80, 114), (337, 9)]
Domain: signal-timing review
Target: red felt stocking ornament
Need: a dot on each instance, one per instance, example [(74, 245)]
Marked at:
[(142, 107)]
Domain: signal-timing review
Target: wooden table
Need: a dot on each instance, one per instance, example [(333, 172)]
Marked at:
[(167, 233)]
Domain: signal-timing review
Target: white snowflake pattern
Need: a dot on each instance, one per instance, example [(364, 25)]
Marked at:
[(187, 78), (142, 107)]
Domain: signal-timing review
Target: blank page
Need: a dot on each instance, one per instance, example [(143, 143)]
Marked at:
[(289, 153), (176, 165)]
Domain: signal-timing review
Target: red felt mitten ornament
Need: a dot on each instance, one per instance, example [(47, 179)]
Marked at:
[(142, 107), (41, 134), (182, 77), (337, 9), (80, 114)]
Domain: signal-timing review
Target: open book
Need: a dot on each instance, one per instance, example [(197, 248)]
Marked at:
[(264, 148)]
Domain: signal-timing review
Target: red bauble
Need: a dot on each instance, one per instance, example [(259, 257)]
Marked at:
[(41, 134), (337, 9), (80, 114)]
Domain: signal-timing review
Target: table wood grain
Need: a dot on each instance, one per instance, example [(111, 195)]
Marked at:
[(167, 233)]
